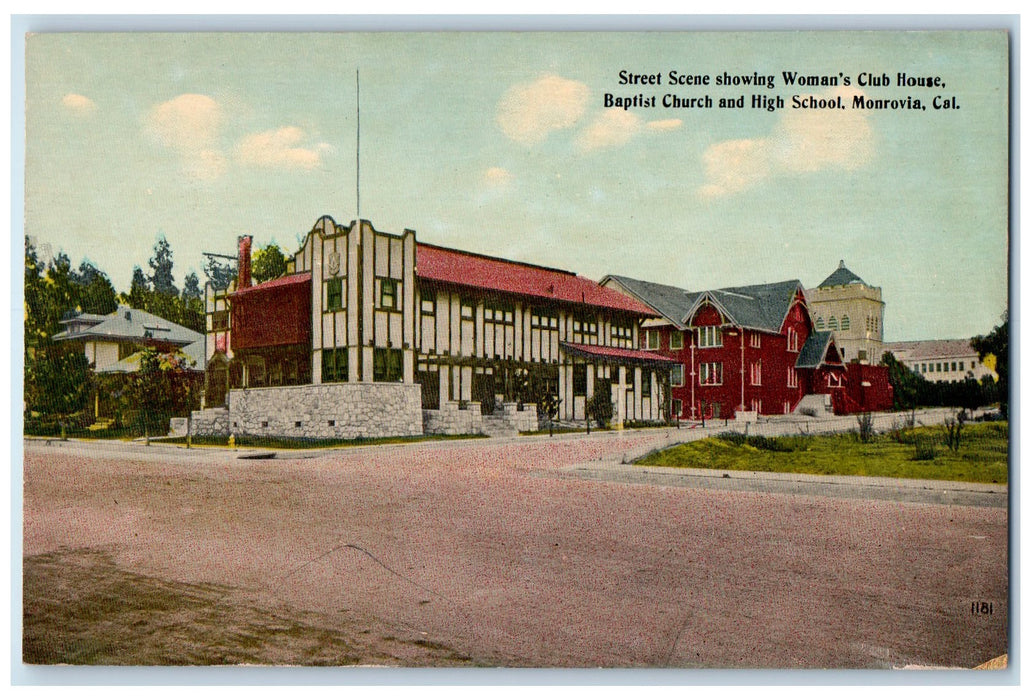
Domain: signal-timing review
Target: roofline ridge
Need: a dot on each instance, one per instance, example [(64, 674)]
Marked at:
[(495, 258)]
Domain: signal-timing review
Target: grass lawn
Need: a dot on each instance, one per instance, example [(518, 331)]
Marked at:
[(918, 453)]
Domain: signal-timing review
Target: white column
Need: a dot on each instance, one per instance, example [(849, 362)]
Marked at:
[(621, 398)]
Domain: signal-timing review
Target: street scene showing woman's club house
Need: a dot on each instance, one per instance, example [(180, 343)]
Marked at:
[(517, 350)]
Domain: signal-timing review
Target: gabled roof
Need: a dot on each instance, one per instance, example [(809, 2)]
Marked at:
[(671, 302), (456, 267), (759, 306), (132, 324), (842, 276), (814, 350)]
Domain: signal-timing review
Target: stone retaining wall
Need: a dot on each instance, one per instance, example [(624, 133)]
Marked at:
[(452, 420), (341, 411), (523, 421), (210, 421)]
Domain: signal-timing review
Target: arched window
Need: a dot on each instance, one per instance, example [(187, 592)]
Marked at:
[(845, 323), (821, 324), (833, 323)]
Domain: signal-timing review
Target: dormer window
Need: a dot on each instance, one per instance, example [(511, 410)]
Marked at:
[(710, 337)]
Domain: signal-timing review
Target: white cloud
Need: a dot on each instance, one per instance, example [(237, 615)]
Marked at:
[(803, 141), (528, 112), (497, 177), (733, 166), (80, 104), (280, 148), (613, 127), (190, 125), (664, 124)]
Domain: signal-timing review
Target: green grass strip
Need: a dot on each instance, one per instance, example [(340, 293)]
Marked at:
[(915, 453)]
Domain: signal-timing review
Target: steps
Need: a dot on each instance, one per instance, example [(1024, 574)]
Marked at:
[(498, 426), (815, 405)]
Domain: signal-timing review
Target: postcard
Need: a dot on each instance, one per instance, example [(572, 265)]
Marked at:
[(621, 350)]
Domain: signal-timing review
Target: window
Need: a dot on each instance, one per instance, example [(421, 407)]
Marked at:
[(498, 313), (676, 340), (467, 308), (833, 323), (334, 365), (845, 323), (710, 337), (756, 373), (676, 375), (334, 294), (973, 363), (585, 330), (622, 336), (821, 325), (923, 367), (579, 380), (646, 383), (792, 340), (756, 340), (543, 321), (220, 321), (388, 294), (960, 366), (792, 378), (678, 407), (834, 380), (651, 339), (125, 349), (710, 373), (953, 366), (428, 306), (387, 365)]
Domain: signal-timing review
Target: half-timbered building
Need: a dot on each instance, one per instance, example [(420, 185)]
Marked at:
[(373, 333)]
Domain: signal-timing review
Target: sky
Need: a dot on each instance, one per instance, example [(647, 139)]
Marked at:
[(503, 144)]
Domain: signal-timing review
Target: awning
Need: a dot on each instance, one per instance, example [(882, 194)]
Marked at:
[(604, 353)]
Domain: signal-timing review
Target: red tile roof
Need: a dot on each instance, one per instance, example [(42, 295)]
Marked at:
[(450, 266), (606, 352), (299, 278)]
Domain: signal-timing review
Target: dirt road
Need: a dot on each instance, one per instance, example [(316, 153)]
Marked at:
[(489, 553)]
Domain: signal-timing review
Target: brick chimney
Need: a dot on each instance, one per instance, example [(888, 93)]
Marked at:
[(243, 262)]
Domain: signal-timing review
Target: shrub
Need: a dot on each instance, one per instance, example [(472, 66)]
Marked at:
[(866, 431), (925, 451), (736, 439), (599, 407)]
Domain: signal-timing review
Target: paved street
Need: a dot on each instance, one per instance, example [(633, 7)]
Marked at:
[(542, 552)]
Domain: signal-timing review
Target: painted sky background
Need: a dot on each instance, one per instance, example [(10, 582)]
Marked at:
[(499, 143)]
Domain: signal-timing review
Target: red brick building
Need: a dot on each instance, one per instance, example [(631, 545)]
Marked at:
[(750, 349)]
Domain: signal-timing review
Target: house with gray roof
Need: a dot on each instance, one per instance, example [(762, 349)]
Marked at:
[(112, 343)]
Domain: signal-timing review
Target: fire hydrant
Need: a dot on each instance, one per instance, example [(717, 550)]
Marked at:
[(232, 441)]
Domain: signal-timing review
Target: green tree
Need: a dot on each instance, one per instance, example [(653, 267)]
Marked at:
[(161, 388), (905, 383), (269, 263), (92, 290), (219, 274), (997, 343), (139, 290), (162, 281)]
